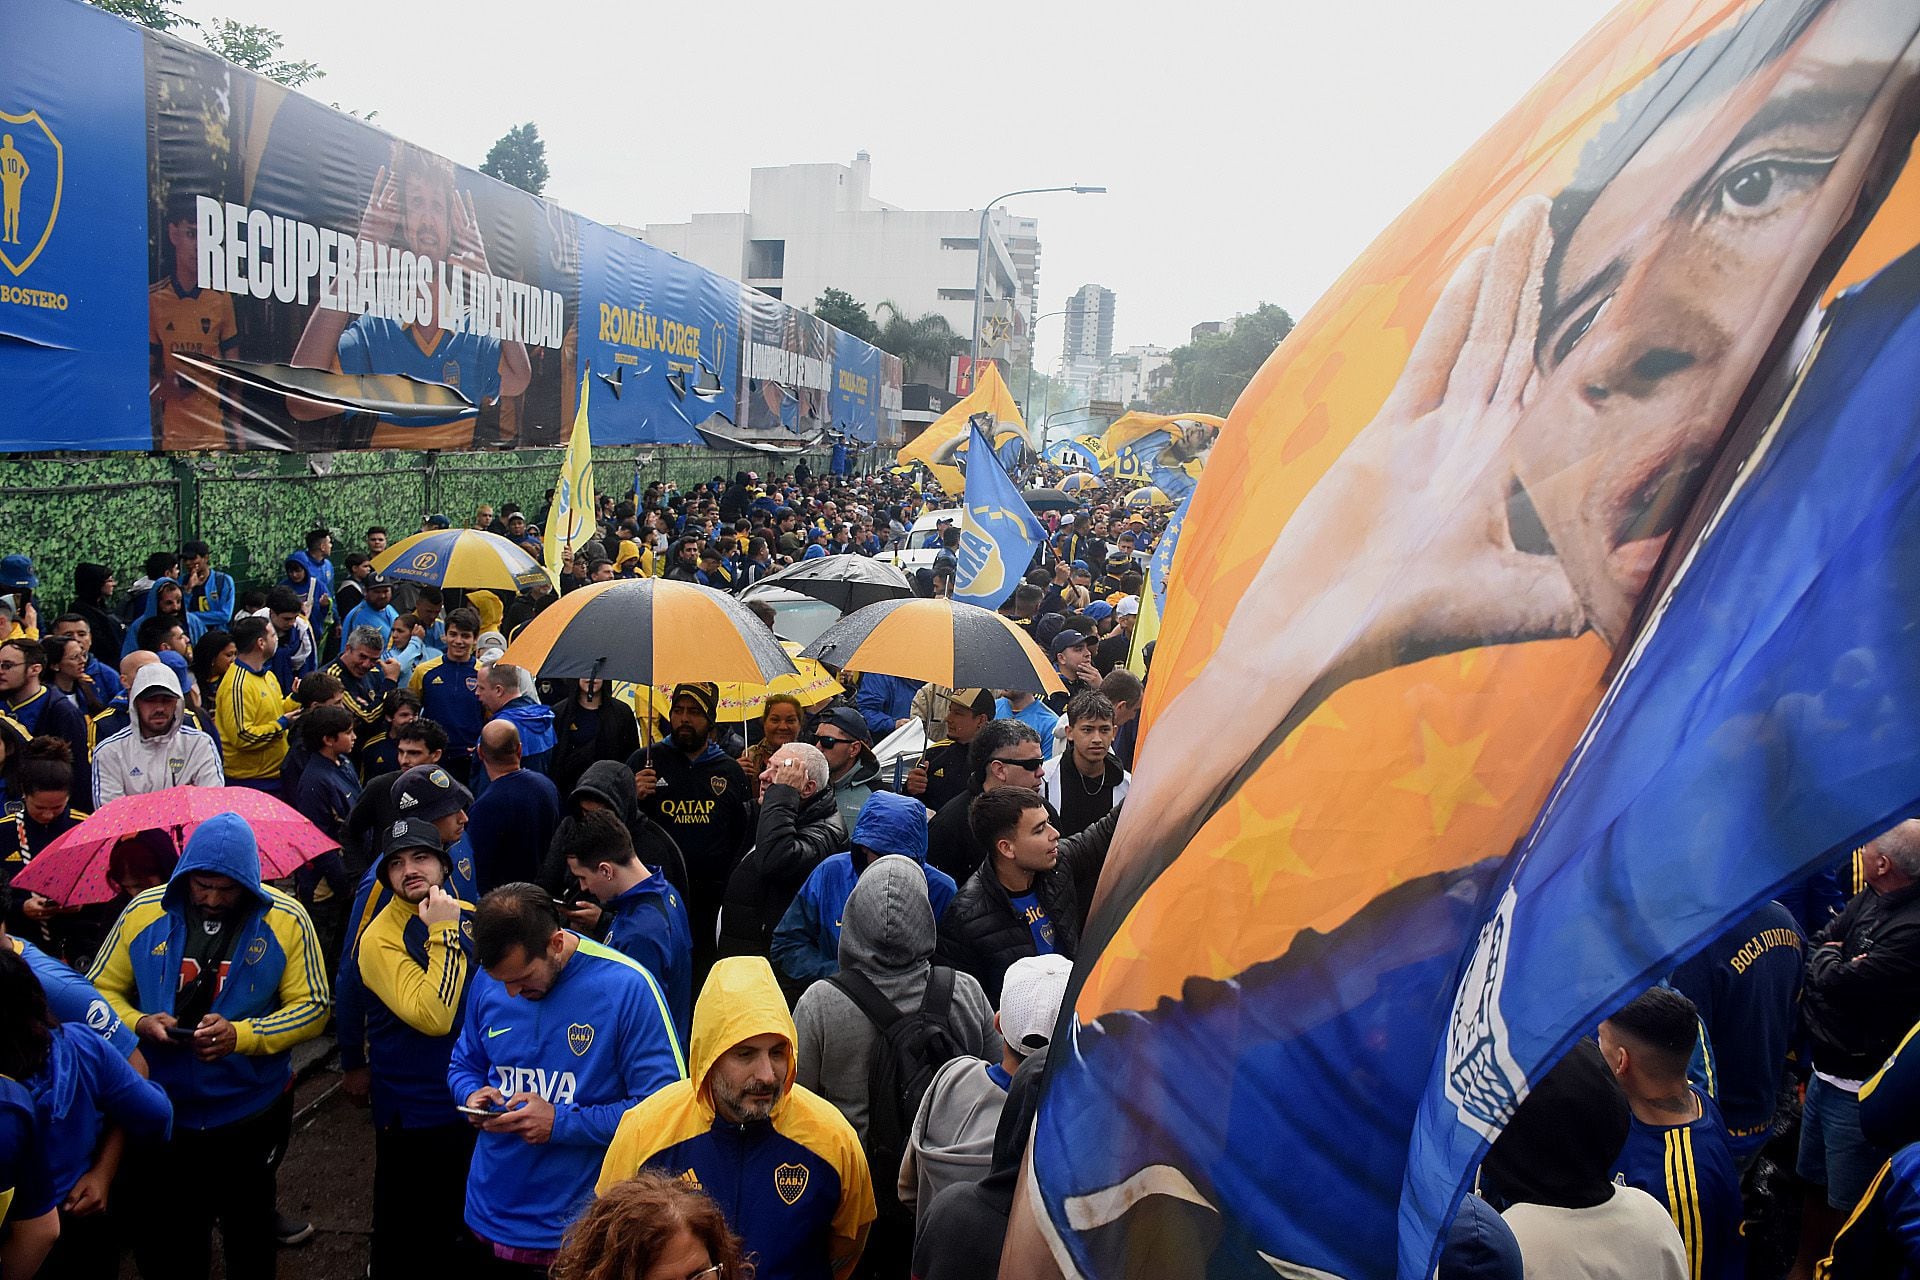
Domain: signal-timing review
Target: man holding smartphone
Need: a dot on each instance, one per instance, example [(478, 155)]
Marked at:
[(414, 960), (219, 975)]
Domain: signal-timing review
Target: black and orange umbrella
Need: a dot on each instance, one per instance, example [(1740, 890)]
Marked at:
[(961, 646), (649, 631)]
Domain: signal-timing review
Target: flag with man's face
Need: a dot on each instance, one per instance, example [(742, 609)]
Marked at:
[(570, 520), (998, 531), (1537, 613)]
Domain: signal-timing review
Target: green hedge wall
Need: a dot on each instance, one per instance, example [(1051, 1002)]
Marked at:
[(252, 509)]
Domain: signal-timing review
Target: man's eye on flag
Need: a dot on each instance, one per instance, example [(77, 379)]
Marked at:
[(1542, 610)]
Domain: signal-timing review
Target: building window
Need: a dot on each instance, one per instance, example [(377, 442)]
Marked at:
[(766, 259), (772, 290), (956, 295), (968, 244)]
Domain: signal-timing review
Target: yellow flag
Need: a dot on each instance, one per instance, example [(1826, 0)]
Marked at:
[(570, 520), (946, 434), (1146, 629)]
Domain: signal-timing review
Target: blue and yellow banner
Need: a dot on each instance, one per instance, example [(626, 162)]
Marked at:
[(1162, 451), (942, 447), (1543, 502), (998, 531)]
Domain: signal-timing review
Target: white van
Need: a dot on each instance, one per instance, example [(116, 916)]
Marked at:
[(922, 542)]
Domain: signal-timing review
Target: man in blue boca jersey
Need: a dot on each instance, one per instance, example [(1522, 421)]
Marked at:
[(414, 205), (645, 916), (562, 1036), (1676, 1150), (414, 961), (449, 691)]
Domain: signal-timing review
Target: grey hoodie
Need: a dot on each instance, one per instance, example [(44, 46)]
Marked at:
[(887, 934)]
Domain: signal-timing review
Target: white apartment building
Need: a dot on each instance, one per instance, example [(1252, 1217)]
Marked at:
[(1132, 375), (812, 227)]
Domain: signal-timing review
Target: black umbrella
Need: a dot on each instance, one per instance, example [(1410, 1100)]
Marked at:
[(1050, 500), (845, 582)]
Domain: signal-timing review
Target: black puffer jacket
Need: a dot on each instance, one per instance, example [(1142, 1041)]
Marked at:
[(1863, 983), (793, 837), (983, 935), (611, 783)]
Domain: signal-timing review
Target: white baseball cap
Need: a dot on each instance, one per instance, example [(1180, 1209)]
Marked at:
[(1030, 998), (1127, 608)]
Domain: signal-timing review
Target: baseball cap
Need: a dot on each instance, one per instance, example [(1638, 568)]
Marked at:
[(1127, 608), (848, 721), (438, 521), (1080, 565), (155, 677), (411, 833), (1066, 640), (705, 697), (978, 701), (1030, 998), (1098, 609), (376, 579), (1066, 520), (16, 573), (429, 792)]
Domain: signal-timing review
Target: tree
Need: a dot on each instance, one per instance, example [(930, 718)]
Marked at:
[(519, 158), (156, 15), (838, 308), (254, 47), (924, 344), (257, 49), (1210, 372)]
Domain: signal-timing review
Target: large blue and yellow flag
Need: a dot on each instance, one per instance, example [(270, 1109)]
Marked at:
[(571, 518), (1541, 608), (1166, 451), (998, 531)]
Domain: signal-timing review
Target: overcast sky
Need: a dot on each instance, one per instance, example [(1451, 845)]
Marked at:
[(1252, 149)]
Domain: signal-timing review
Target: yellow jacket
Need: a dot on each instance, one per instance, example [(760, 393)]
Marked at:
[(251, 714), (796, 1187)]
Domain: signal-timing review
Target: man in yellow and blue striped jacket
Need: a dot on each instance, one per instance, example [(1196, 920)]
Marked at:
[(220, 975)]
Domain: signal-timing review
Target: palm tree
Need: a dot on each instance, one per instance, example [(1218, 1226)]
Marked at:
[(924, 343)]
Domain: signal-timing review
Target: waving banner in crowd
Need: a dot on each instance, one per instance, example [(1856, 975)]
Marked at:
[(942, 447), (1165, 452), (1585, 483), (194, 257)]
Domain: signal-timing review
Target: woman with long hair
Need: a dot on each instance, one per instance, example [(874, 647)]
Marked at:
[(651, 1227), (67, 672), (90, 1102), (212, 655)]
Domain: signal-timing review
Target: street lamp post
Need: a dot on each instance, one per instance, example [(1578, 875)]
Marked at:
[(980, 268), (1033, 343)]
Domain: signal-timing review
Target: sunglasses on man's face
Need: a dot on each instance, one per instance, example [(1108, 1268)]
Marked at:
[(827, 740), (1034, 765)]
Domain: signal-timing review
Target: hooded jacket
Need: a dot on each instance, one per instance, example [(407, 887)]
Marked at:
[(888, 937), (597, 1043), (792, 838), (85, 1087), (795, 1185), (90, 602), (534, 720), (188, 623), (806, 945), (129, 763), (273, 991), (707, 807), (963, 1231), (611, 783)]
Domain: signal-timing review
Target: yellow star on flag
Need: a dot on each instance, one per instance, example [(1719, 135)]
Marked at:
[(1446, 777), (1265, 848)]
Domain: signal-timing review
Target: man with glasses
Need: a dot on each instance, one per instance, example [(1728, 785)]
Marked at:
[(1025, 706), (1005, 753), (852, 770)]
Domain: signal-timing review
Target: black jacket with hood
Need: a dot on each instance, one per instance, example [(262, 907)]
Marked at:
[(616, 737), (963, 1231), (983, 935), (1862, 991), (611, 783), (90, 602), (792, 837)]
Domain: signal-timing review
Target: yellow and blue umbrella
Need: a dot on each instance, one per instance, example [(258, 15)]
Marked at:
[(1148, 497), (1077, 481), (467, 558)]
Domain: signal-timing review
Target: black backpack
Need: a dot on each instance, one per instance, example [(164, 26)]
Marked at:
[(909, 1049)]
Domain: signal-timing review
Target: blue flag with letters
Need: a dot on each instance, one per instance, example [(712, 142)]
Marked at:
[(998, 531)]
